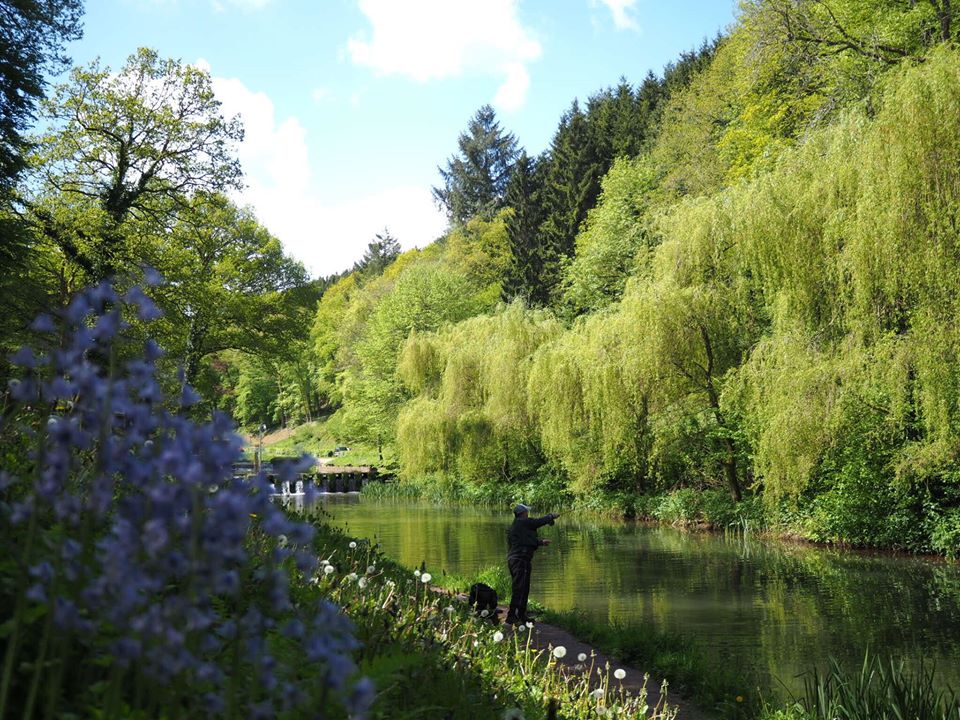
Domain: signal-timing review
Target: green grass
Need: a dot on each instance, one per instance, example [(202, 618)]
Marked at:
[(881, 689), (319, 438)]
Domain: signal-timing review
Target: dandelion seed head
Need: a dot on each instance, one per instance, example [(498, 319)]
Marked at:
[(497, 636), (582, 657), (619, 673), (559, 651), (425, 578), (327, 569), (353, 545)]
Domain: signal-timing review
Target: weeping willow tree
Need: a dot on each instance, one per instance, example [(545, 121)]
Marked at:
[(588, 393), (852, 399), (470, 415)]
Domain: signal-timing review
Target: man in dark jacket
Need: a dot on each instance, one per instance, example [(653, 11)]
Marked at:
[(522, 543)]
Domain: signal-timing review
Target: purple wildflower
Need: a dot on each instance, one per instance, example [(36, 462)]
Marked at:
[(166, 585)]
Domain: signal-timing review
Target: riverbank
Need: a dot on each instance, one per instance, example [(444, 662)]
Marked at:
[(570, 647), (708, 510), (428, 655)]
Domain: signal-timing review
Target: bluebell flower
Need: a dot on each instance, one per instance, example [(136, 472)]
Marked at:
[(149, 592), (25, 358), (43, 324), (361, 697)]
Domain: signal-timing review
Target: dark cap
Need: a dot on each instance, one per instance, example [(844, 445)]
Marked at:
[(521, 508)]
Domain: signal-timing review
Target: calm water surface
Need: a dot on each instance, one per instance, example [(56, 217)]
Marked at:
[(776, 608)]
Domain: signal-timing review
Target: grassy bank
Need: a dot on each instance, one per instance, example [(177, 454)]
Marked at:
[(724, 693), (429, 657), (320, 439)]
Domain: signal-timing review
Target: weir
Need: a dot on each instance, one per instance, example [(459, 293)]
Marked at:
[(326, 478)]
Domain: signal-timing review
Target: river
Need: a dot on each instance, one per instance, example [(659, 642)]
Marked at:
[(775, 608)]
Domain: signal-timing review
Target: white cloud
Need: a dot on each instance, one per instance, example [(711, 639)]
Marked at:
[(434, 39), (511, 94), (620, 9), (326, 237)]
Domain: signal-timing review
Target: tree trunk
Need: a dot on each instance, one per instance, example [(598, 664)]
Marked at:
[(730, 462)]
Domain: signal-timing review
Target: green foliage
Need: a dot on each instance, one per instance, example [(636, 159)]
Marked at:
[(230, 285), (32, 36), (614, 235), (773, 313), (471, 416), (531, 257), (881, 690), (97, 189), (592, 414)]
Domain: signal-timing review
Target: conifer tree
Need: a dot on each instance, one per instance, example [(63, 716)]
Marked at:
[(571, 188), (380, 252), (529, 255), (475, 181)]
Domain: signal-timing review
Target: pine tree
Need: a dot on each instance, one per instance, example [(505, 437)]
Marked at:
[(528, 254), (380, 253), (571, 188), (475, 181)]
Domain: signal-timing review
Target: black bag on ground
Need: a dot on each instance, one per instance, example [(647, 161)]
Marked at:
[(483, 597)]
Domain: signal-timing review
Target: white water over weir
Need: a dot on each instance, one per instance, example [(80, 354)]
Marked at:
[(325, 478)]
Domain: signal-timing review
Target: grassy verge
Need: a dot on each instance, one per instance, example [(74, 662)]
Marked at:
[(429, 657), (320, 438)]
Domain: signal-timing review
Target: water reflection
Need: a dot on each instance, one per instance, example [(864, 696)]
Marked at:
[(775, 608)]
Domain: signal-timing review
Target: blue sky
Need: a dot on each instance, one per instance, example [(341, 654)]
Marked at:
[(350, 105)]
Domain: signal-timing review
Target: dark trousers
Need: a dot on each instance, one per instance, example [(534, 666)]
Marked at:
[(520, 568)]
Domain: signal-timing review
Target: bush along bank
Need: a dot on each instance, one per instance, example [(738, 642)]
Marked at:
[(885, 524), (425, 651)]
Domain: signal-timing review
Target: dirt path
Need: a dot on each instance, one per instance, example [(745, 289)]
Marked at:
[(550, 636)]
